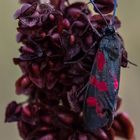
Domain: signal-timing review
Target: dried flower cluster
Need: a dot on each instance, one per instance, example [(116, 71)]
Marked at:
[(59, 43)]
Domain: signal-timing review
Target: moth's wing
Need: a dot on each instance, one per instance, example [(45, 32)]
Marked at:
[(112, 70), (101, 94)]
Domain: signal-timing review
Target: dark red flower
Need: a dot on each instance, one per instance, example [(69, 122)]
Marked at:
[(123, 126), (13, 112), (99, 23), (24, 85), (28, 1), (105, 6)]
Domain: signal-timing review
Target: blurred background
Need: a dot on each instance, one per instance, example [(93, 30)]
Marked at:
[(128, 12)]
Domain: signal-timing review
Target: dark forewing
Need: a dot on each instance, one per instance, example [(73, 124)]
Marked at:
[(101, 94)]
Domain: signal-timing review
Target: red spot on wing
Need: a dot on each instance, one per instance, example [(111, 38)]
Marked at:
[(101, 86), (99, 110), (100, 61), (93, 81), (116, 84), (91, 101)]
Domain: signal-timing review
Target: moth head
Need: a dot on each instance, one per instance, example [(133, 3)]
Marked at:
[(108, 30)]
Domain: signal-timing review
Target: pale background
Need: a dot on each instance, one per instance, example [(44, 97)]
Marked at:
[(128, 12)]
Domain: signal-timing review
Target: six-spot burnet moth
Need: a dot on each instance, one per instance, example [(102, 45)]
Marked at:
[(102, 90)]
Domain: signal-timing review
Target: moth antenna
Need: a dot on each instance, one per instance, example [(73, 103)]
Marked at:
[(114, 13), (89, 22), (93, 3)]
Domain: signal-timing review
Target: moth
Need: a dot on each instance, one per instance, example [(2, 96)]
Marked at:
[(102, 90), (103, 86)]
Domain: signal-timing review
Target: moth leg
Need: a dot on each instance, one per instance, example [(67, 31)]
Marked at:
[(74, 62), (73, 101)]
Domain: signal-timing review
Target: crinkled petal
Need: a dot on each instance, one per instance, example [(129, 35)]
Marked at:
[(24, 85), (123, 126), (105, 6), (13, 112)]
